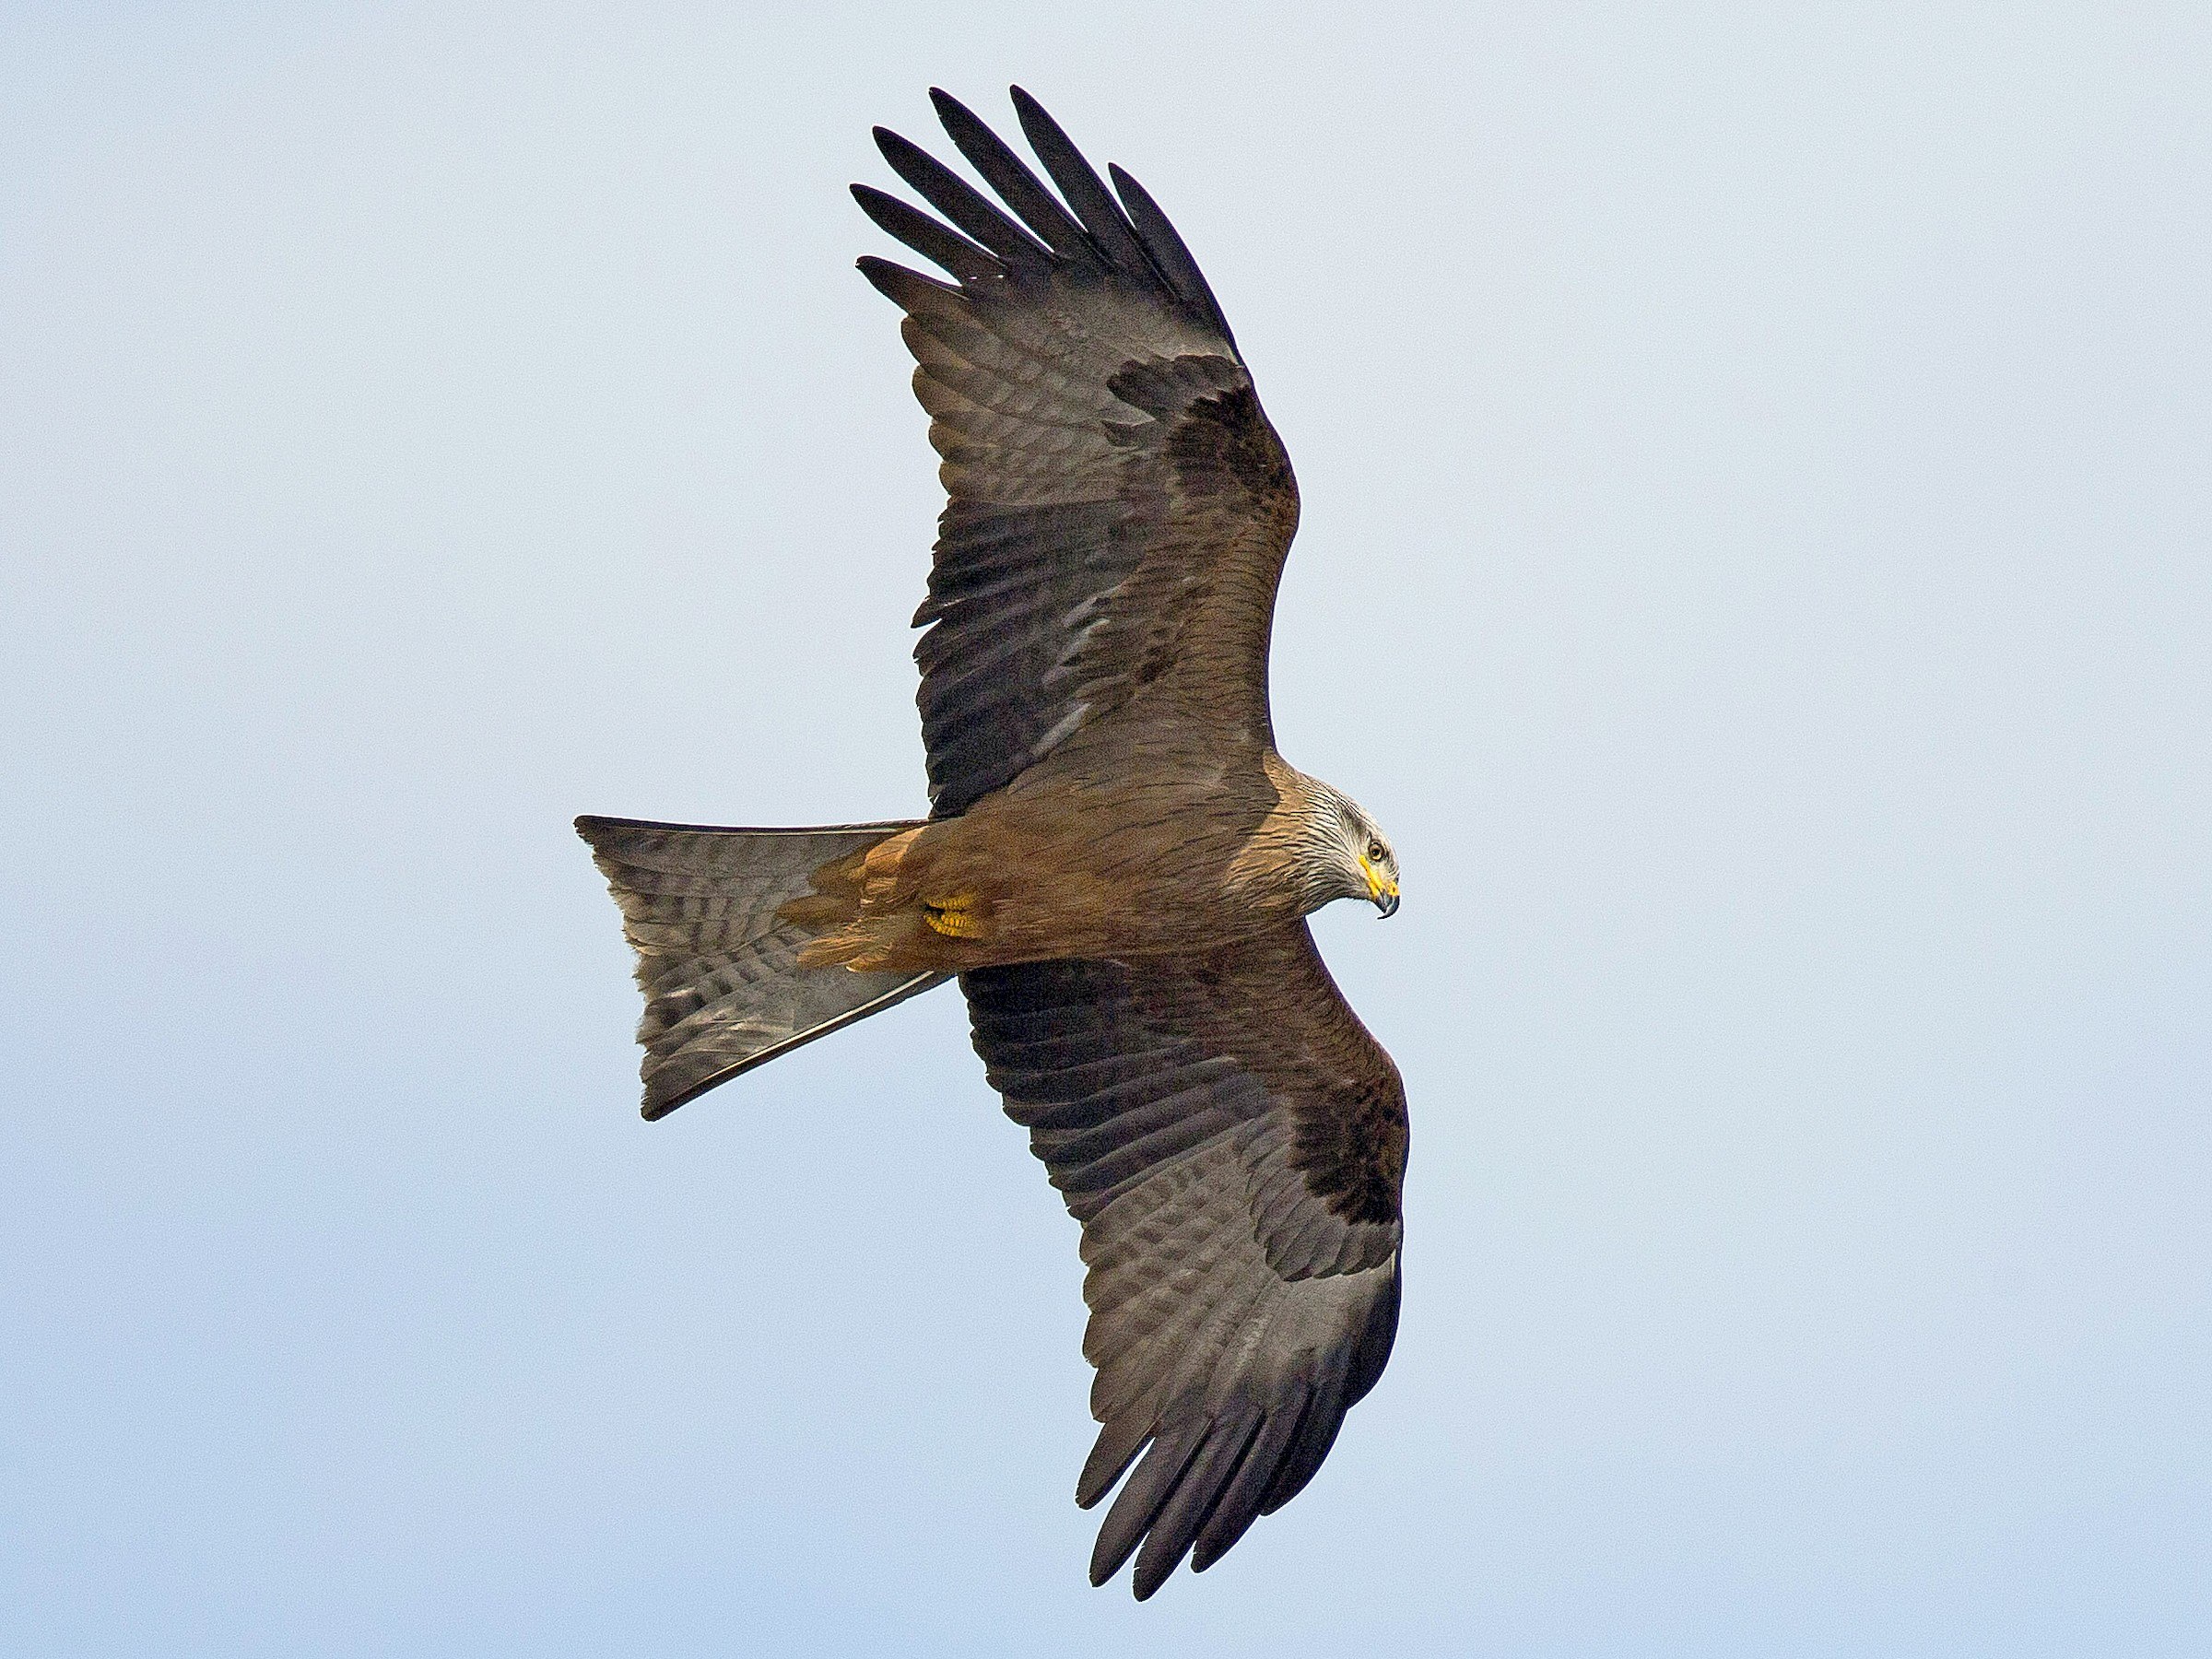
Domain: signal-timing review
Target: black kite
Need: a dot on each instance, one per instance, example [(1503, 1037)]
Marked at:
[(1117, 863)]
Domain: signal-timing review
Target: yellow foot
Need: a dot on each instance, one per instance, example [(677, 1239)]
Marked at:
[(954, 917)]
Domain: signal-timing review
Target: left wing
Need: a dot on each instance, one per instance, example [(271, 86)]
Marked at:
[(1233, 1141)]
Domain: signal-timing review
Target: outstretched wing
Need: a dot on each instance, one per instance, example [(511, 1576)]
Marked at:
[(1233, 1141), (1120, 506)]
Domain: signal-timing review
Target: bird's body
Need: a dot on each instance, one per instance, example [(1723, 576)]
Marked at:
[(1117, 863), (1182, 854)]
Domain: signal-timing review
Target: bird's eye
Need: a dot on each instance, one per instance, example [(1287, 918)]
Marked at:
[(1375, 851)]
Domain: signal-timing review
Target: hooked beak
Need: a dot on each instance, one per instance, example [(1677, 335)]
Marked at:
[(1380, 890)]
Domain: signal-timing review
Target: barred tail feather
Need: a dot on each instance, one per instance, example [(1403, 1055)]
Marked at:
[(718, 918)]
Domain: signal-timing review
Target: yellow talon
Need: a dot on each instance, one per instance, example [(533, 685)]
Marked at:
[(952, 917)]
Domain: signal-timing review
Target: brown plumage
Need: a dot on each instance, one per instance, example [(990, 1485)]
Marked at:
[(1117, 863)]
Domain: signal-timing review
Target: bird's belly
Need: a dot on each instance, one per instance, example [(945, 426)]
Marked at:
[(1156, 874)]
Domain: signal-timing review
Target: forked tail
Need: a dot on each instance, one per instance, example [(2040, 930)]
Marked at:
[(718, 918)]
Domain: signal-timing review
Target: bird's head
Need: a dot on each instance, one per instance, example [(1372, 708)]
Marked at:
[(1359, 856)]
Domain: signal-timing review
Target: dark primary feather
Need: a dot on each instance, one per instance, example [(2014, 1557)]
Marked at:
[(1233, 1142), (940, 246), (1119, 507), (956, 199), (1006, 173), (1168, 254), (1086, 192)]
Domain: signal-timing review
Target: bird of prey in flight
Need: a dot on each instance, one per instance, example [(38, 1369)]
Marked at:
[(1117, 863)]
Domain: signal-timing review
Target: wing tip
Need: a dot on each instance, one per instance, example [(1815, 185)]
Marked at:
[(908, 288)]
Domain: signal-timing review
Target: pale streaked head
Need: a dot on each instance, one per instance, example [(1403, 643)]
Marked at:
[(1360, 856)]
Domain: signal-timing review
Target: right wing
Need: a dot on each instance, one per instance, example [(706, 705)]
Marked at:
[(1120, 506)]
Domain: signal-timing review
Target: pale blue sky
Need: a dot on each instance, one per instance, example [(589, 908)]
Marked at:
[(1755, 563)]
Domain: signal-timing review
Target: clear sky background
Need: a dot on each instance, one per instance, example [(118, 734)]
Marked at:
[(1755, 563)]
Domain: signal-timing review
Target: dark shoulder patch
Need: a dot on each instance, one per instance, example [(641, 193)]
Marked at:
[(1216, 436), (1355, 1158), (1224, 442), (1165, 387)]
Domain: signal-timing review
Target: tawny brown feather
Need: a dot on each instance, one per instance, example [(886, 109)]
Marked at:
[(1117, 861)]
